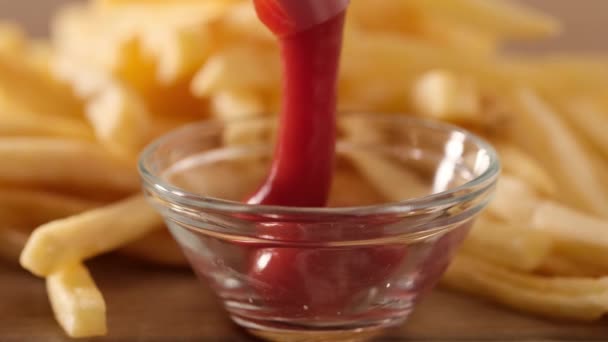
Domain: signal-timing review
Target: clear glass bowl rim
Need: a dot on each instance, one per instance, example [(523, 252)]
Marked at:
[(476, 187)]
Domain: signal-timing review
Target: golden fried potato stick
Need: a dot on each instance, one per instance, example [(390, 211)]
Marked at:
[(236, 104), (584, 299), (540, 130), (63, 242), (518, 163), (569, 224), (31, 90), (241, 22), (556, 285), (390, 178), (458, 35), (505, 19), (508, 245), (158, 248), (231, 69), (18, 123), (116, 111), (398, 61), (63, 163), (402, 17), (249, 132), (558, 75), (394, 181), (130, 32), (121, 121), (591, 119), (514, 200), (31, 208), (444, 95), (77, 303), (179, 54), (231, 181), (560, 265), (593, 256), (350, 189)]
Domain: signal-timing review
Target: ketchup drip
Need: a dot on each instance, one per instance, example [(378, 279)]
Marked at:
[(303, 163), (298, 281)]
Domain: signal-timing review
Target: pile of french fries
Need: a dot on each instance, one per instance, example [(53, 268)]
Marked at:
[(75, 111)]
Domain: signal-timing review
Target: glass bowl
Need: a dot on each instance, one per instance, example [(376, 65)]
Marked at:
[(404, 195)]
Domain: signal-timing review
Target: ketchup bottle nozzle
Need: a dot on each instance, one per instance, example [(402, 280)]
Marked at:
[(286, 17)]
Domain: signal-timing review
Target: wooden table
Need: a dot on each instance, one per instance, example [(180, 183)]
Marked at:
[(148, 304)]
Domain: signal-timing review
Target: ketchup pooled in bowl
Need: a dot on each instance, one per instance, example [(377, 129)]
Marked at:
[(299, 281)]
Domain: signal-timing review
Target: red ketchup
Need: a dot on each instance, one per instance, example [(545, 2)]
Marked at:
[(298, 281), (310, 36)]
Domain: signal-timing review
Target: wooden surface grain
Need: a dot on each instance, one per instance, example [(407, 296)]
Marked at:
[(151, 304)]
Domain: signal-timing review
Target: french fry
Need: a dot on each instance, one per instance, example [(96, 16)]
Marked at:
[(177, 49), (514, 247), (63, 163), (593, 255), (160, 125), (443, 95), (590, 119), (394, 181), (514, 200), (21, 82), (233, 105), (118, 113), (31, 208), (386, 15), (350, 189), (557, 74), (568, 224), (556, 285), (458, 35), (230, 70), (242, 22), (15, 123), (404, 18), (582, 299), (519, 164), (78, 305), (179, 54), (503, 18), (231, 180), (249, 132), (557, 264), (121, 121), (558, 149), (158, 248), (77, 238), (399, 61)]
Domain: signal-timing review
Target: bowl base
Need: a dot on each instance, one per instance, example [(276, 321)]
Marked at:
[(303, 334)]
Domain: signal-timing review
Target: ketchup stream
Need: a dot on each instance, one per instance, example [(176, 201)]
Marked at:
[(303, 163), (302, 282)]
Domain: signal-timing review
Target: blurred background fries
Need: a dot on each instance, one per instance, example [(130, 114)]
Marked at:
[(77, 108)]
